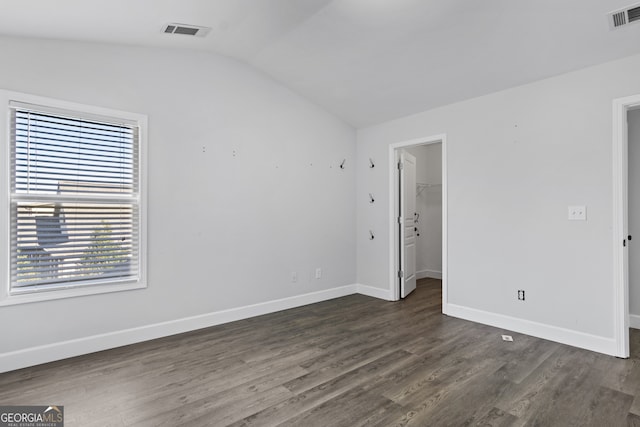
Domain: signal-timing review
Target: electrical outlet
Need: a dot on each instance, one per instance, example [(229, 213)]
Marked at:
[(577, 213), (318, 273), (294, 277), (520, 294)]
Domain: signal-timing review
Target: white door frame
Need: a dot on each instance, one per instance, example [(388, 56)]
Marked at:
[(394, 288), (620, 222)]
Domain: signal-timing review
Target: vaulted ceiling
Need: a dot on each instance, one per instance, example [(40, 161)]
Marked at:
[(366, 61)]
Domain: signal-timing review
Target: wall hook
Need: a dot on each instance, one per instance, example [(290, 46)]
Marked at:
[(371, 164), (371, 235), (371, 198), (342, 164)]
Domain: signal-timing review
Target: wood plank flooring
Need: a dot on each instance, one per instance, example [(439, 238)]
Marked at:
[(351, 361)]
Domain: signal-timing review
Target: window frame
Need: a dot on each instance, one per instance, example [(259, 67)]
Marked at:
[(67, 290)]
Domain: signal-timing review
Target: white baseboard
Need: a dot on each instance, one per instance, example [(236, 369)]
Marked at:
[(374, 292), (634, 321), (48, 353), (431, 274), (62, 350), (540, 330)]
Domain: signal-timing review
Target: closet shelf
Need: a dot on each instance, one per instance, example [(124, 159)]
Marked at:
[(420, 187)]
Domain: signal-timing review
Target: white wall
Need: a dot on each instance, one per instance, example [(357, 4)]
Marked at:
[(516, 160), (634, 216), (429, 206), (227, 226)]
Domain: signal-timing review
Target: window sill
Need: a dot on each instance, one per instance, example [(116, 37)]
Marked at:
[(77, 291)]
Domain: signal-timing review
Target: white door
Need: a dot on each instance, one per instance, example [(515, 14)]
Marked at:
[(407, 169)]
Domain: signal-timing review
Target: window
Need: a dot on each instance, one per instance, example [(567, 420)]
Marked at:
[(76, 223)]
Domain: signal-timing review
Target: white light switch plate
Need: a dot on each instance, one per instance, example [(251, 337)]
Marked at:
[(577, 213)]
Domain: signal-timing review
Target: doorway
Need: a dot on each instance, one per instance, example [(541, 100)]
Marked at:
[(621, 232), (421, 187), (633, 167)]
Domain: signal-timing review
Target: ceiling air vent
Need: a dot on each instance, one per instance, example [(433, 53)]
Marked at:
[(187, 30), (624, 16)]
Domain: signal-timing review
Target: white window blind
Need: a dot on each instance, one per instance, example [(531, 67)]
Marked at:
[(74, 199)]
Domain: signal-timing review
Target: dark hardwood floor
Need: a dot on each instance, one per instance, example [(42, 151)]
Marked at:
[(351, 361)]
